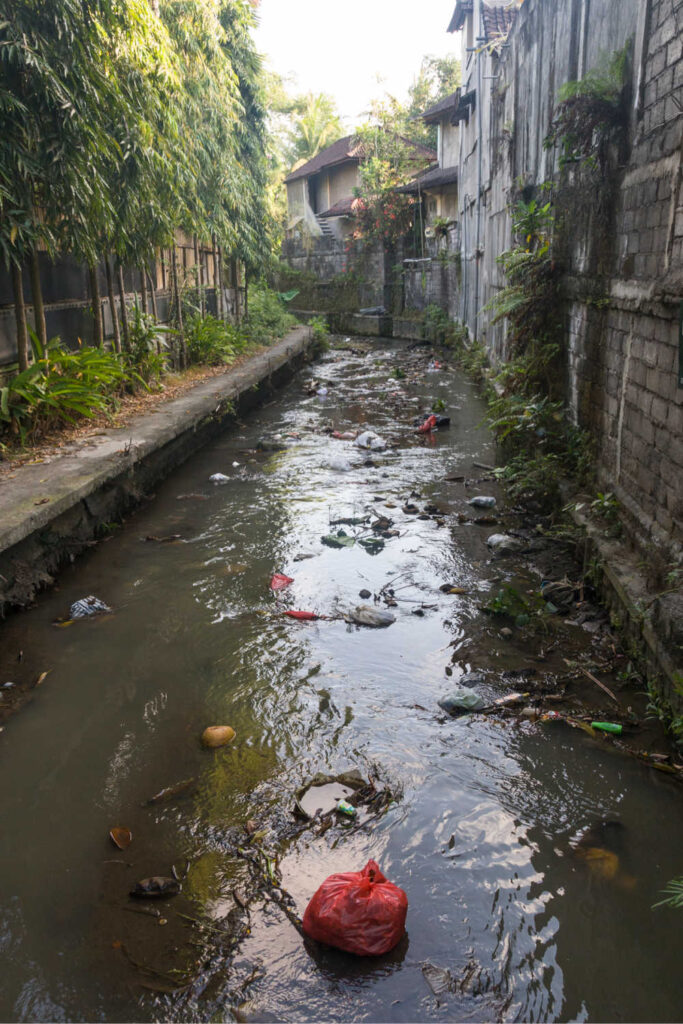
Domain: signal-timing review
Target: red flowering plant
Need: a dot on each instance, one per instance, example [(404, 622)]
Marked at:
[(388, 161)]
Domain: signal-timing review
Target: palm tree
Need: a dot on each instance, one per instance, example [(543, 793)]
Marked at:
[(316, 127)]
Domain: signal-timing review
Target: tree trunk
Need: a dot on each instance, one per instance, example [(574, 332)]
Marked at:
[(236, 286), (143, 289), (216, 282), (20, 317), (112, 305), (124, 311), (178, 308), (224, 311), (162, 261), (198, 272), (98, 331), (37, 292), (246, 293), (153, 297)]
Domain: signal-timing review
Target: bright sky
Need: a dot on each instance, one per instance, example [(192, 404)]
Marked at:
[(342, 47)]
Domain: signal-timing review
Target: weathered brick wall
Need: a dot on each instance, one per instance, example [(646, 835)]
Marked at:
[(637, 409), (325, 261), (623, 265)]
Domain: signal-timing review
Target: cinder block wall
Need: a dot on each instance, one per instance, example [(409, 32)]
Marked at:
[(623, 274)]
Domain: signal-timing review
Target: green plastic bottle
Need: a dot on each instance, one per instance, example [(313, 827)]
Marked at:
[(613, 727), (345, 808)]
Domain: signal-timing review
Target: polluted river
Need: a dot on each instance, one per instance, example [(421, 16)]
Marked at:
[(531, 849)]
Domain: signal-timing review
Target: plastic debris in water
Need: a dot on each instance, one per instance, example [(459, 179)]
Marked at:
[(219, 478), (503, 542), (339, 464), (366, 615), (346, 808), (90, 605), (368, 439), (279, 581), (462, 700), (303, 616), (482, 501), (428, 425), (217, 736), (613, 727), (157, 885)]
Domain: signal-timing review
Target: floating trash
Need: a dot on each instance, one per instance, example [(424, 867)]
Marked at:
[(368, 439), (90, 605), (461, 700), (482, 501), (503, 542), (338, 540), (218, 735), (121, 837), (157, 885), (366, 615), (280, 581), (338, 464)]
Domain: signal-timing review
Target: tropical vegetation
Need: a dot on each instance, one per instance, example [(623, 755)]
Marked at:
[(125, 122)]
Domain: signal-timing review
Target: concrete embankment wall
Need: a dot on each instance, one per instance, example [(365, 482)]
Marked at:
[(622, 248), (50, 513)]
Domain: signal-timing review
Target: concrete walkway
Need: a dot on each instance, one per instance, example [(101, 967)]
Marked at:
[(51, 511)]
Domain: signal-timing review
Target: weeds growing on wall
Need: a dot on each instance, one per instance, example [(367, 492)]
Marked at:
[(591, 112)]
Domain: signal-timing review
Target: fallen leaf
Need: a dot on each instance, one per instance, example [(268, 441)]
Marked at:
[(42, 501), (41, 678)]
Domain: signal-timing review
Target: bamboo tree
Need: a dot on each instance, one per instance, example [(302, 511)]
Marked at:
[(216, 283), (112, 305), (153, 296), (178, 308), (98, 328), (224, 311), (124, 310), (20, 316), (143, 288), (37, 293)]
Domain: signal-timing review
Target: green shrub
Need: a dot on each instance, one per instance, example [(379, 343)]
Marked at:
[(61, 386), (211, 341), (321, 331), (268, 318), (148, 354)]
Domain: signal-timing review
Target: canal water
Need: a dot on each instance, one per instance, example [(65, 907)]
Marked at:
[(484, 815)]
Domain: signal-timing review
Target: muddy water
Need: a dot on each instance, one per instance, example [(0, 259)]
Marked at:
[(505, 922)]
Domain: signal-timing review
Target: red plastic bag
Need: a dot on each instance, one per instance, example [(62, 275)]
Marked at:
[(279, 581), (304, 616), (358, 911), (428, 425)]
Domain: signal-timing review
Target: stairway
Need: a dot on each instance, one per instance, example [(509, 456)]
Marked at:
[(325, 227)]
